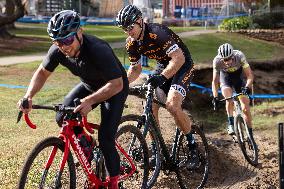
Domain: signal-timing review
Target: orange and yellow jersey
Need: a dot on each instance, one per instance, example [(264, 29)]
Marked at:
[(158, 42)]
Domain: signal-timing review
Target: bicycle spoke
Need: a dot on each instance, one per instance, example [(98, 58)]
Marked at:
[(246, 144), (192, 178), (35, 174), (137, 151)]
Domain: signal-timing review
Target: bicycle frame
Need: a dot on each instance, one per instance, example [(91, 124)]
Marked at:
[(237, 105), (68, 136), (150, 120)]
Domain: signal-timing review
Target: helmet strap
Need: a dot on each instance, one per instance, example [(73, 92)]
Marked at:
[(142, 29), (80, 42)]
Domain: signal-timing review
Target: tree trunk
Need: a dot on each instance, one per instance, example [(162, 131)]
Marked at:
[(14, 10)]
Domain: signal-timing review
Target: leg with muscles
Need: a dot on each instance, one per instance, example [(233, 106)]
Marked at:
[(174, 102), (228, 92), (244, 100)]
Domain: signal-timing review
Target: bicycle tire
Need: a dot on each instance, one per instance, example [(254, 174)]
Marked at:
[(245, 141), (134, 153), (196, 178), (137, 121), (31, 161)]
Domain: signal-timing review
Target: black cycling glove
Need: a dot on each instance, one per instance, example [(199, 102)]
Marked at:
[(156, 80), (246, 90), (215, 102)]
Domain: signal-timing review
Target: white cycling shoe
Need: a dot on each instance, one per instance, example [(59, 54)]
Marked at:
[(230, 130)]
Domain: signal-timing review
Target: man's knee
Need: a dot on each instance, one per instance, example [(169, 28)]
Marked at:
[(173, 108), (246, 110)]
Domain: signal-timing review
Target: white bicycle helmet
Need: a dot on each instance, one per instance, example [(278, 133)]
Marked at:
[(225, 50)]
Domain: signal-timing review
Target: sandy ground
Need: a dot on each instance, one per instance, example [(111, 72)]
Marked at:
[(228, 168)]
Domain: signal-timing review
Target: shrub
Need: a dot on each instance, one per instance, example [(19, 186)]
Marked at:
[(229, 24), (271, 20)]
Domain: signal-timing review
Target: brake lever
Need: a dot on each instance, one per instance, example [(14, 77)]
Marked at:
[(20, 115), (25, 104)]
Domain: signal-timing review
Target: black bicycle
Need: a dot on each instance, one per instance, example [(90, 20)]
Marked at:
[(243, 138), (174, 160)]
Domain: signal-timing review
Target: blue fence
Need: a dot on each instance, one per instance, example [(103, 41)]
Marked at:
[(84, 20)]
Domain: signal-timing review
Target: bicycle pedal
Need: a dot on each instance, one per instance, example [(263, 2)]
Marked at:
[(235, 138)]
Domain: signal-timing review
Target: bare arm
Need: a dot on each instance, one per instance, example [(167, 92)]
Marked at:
[(39, 78), (110, 89), (215, 83), (249, 75), (134, 72), (175, 63)]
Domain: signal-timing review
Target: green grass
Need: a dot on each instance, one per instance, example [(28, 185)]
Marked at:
[(203, 47)]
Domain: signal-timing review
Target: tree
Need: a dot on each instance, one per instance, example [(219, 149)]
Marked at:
[(276, 3), (14, 9)]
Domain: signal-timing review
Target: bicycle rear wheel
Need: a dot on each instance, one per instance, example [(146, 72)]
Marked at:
[(245, 141), (34, 173), (196, 178), (138, 151), (152, 142)]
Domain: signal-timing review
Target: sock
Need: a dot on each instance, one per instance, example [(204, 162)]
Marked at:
[(231, 120)]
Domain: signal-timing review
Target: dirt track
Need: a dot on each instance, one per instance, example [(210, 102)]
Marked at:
[(228, 168)]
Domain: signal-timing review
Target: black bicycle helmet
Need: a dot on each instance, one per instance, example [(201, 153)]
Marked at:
[(62, 24), (127, 16)]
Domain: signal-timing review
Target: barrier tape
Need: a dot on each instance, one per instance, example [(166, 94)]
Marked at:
[(202, 89)]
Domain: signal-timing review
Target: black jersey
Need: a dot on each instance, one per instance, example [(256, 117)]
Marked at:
[(96, 64), (158, 42)]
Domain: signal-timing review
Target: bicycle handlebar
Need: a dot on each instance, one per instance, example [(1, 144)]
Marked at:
[(57, 108), (232, 97), (145, 89)]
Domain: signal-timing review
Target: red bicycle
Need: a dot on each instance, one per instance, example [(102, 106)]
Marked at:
[(51, 165)]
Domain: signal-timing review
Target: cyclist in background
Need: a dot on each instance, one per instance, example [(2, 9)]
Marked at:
[(232, 71), (103, 80), (174, 70)]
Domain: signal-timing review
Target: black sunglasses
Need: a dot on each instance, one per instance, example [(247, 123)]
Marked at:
[(228, 59), (66, 41), (129, 28)]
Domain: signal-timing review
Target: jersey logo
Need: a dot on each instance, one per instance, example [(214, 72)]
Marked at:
[(188, 76), (166, 44), (128, 44), (172, 49), (153, 36), (179, 89)]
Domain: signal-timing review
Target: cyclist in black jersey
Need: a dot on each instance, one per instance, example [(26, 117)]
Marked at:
[(174, 65), (103, 80)]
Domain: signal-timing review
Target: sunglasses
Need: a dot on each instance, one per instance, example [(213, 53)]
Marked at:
[(228, 59), (68, 40), (129, 28)]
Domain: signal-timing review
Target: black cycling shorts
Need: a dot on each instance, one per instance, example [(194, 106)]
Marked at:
[(234, 80)]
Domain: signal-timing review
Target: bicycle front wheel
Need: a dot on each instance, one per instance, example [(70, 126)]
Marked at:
[(192, 178), (138, 151), (152, 142), (245, 141), (36, 175)]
